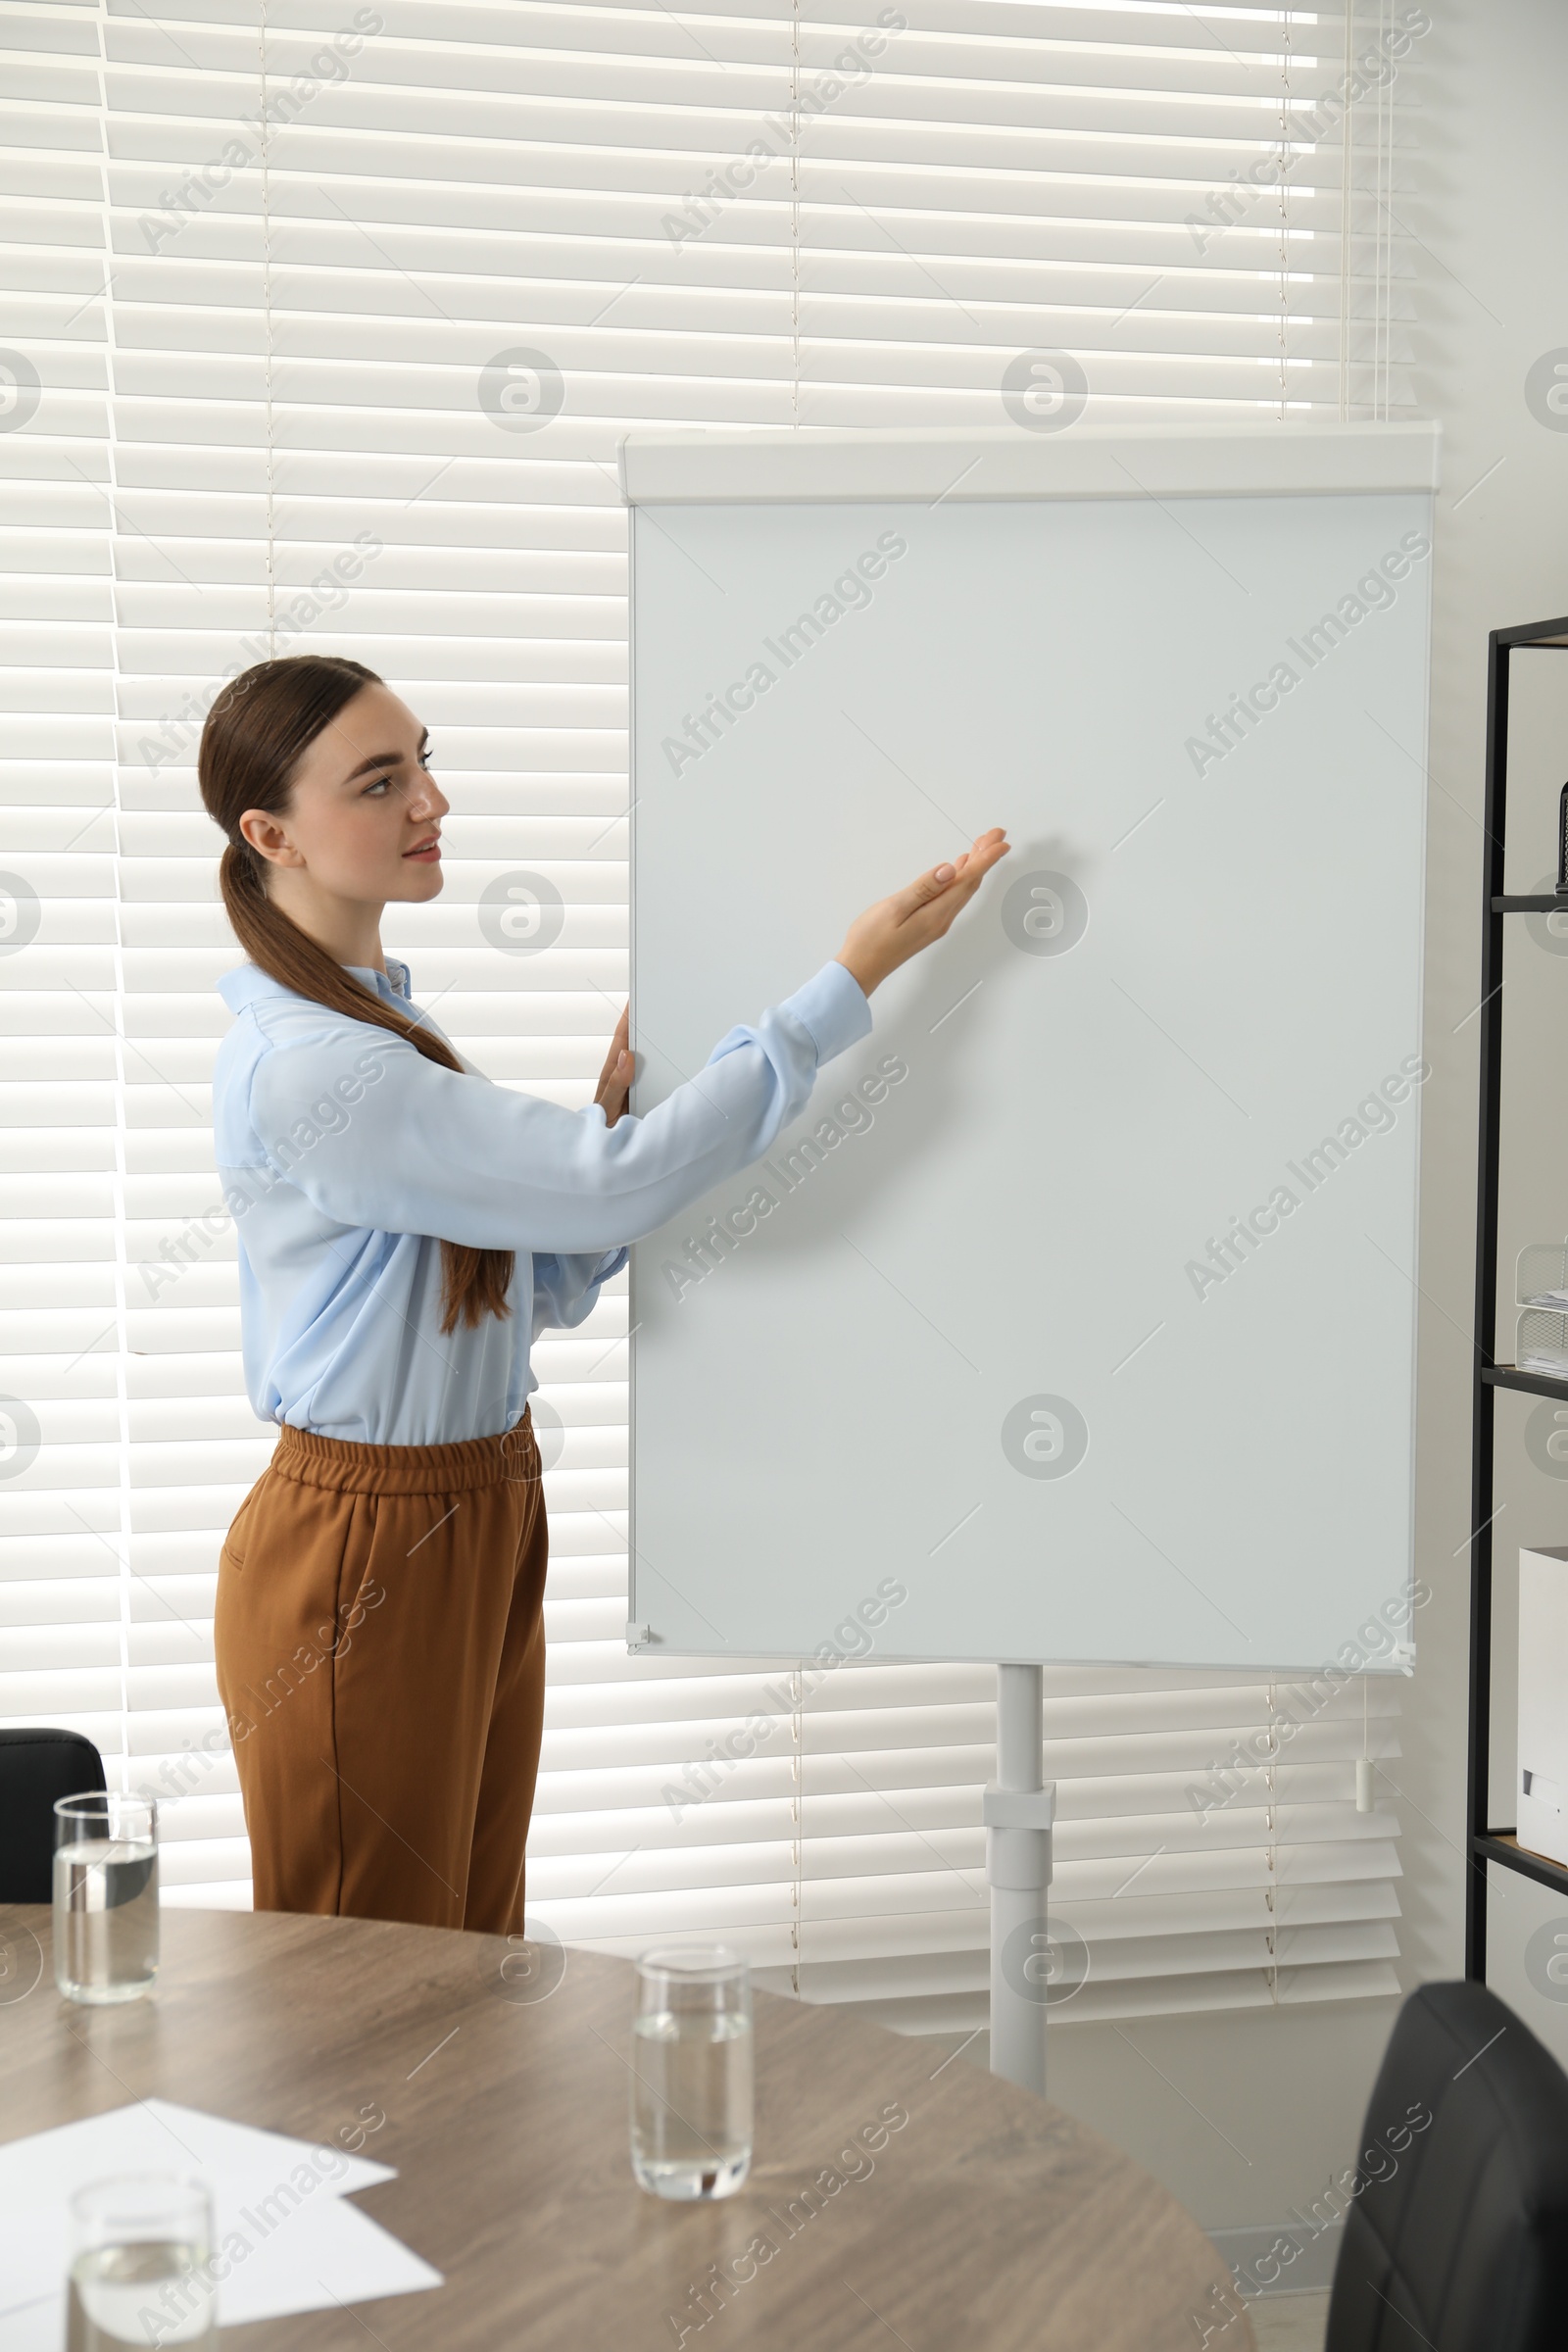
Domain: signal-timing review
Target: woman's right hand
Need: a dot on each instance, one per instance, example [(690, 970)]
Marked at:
[(889, 932)]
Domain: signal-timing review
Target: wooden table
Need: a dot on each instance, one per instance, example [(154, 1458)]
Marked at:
[(988, 2218)]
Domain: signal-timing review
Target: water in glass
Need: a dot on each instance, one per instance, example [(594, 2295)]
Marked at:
[(141, 2265), (140, 2294), (106, 1918), (691, 2121)]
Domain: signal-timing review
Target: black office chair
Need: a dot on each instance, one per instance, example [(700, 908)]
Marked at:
[(37, 1768), (1462, 2244)]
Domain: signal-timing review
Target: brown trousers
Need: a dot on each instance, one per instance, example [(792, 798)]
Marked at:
[(379, 1631)]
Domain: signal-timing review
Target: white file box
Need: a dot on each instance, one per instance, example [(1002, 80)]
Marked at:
[(1541, 1343), (1542, 1786)]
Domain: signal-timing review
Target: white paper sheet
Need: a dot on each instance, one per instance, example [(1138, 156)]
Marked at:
[(289, 2240)]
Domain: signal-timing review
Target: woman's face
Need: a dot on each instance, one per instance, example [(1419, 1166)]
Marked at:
[(364, 818)]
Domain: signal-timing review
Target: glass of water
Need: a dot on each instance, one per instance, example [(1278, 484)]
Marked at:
[(141, 2252), (106, 1895), (691, 2090)]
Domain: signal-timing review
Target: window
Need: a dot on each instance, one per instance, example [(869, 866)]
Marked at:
[(322, 325)]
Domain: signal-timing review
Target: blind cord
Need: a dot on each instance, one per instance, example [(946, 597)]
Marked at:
[(1363, 1769), (1346, 215), (797, 1754), (795, 211), (1284, 216), (267, 346)]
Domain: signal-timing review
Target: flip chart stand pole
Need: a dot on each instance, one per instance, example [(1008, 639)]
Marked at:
[(1018, 1810)]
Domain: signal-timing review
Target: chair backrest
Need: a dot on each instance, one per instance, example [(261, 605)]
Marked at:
[(35, 1768), (1457, 2231)]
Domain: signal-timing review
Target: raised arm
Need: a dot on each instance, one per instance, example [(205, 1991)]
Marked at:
[(378, 1136)]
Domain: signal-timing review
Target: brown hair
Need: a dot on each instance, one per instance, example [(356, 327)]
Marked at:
[(257, 731)]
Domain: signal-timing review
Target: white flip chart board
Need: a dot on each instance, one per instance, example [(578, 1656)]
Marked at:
[(1083, 1315)]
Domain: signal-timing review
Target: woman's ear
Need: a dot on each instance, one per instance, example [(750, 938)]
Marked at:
[(267, 838)]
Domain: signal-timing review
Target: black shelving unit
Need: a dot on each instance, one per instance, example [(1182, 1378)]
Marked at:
[(1487, 1844)]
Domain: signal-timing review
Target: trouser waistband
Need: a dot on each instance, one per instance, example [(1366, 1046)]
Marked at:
[(349, 1468)]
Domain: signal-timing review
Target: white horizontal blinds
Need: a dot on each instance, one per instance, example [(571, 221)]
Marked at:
[(1208, 1849), (1209, 1853), (371, 351), (1197, 209), (190, 465), (63, 1556)]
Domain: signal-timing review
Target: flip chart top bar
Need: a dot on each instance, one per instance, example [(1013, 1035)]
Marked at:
[(960, 463)]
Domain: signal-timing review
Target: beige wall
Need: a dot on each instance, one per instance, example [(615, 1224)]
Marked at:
[(1247, 2115)]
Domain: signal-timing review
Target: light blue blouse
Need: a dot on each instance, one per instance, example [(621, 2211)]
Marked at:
[(343, 1151)]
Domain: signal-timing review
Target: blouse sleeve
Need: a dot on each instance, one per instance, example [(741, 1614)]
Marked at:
[(565, 1289), (378, 1136)]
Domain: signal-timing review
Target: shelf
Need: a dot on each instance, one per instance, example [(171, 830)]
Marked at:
[(1485, 1844), (1535, 1384), (1503, 1846)]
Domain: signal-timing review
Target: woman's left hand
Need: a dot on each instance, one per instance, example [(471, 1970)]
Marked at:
[(620, 1069)]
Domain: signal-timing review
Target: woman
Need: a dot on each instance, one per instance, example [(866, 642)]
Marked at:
[(404, 1230)]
